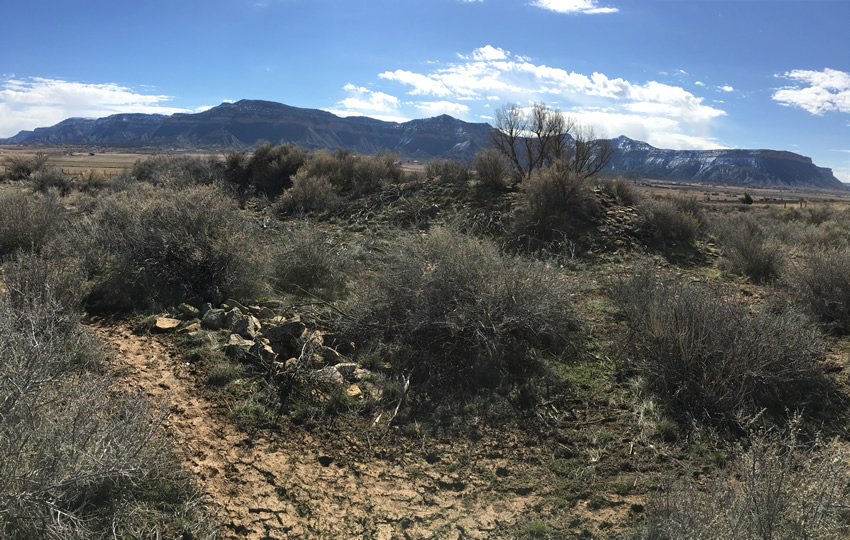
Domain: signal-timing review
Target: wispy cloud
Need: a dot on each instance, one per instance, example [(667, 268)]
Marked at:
[(816, 91), (589, 7), (27, 103), (726, 88)]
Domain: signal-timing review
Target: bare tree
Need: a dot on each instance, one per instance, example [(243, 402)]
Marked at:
[(589, 154), (543, 136)]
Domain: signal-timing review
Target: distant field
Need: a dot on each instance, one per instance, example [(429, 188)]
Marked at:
[(79, 160), (712, 194)]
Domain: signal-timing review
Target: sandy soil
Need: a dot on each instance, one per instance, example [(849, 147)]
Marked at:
[(298, 486)]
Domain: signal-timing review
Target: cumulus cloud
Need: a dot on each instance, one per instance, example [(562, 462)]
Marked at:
[(369, 100), (27, 103), (816, 91), (662, 114), (589, 7), (726, 88), (363, 101)]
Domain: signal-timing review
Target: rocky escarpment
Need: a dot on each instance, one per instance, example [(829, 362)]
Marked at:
[(757, 168)]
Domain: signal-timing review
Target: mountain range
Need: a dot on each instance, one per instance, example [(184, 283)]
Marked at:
[(243, 124)]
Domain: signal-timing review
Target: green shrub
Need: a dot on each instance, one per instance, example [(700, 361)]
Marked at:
[(622, 190), (710, 356), (151, 246), (493, 170), (672, 220), (556, 203), (351, 173), (309, 194), (270, 168), (748, 249), (822, 285), (28, 221), (461, 315)]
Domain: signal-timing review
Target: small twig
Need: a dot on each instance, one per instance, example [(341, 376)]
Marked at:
[(401, 400)]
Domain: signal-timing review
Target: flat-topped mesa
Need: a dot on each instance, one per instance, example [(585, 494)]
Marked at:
[(244, 124)]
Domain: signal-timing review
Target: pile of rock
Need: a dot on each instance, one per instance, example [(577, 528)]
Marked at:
[(256, 334)]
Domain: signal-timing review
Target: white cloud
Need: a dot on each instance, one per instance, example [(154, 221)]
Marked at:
[(369, 100), (489, 53), (662, 114), (421, 83), (27, 103), (371, 103), (436, 108), (699, 83), (827, 90), (726, 88), (573, 6)]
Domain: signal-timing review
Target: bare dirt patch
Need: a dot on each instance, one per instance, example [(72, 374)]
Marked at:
[(338, 483)]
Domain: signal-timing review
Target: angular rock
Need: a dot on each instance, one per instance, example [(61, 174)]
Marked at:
[(316, 361), (265, 313), (232, 317), (247, 327), (331, 356), (346, 369), (189, 328), (214, 319), (165, 324), (238, 347), (330, 375), (263, 352), (361, 374), (188, 312), (285, 332), (230, 304), (354, 392)]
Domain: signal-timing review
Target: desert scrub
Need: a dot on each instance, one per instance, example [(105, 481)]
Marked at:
[(462, 315), (79, 457), (350, 173), (676, 219), (448, 170), (148, 246), (822, 286), (710, 356), (309, 194), (555, 204), (307, 261), (28, 221), (778, 487), (748, 249)]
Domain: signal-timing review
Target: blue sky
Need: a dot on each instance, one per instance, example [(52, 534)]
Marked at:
[(674, 73)]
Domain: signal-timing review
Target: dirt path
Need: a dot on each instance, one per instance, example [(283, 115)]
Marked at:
[(296, 486)]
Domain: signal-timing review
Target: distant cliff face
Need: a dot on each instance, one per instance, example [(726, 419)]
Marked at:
[(757, 168), (243, 124)]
